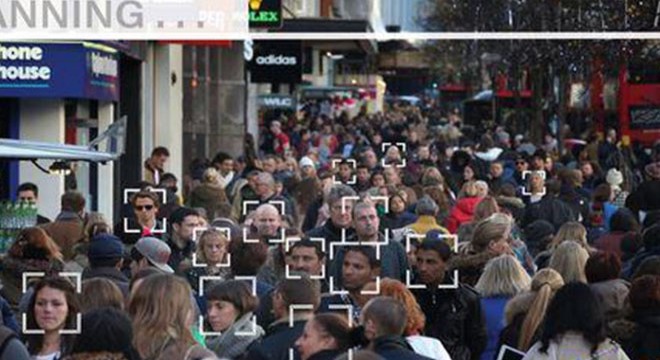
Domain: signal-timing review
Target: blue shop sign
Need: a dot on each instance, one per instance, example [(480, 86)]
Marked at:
[(73, 70)]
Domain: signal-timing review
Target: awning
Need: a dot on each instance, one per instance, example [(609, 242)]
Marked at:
[(113, 138), (32, 150)]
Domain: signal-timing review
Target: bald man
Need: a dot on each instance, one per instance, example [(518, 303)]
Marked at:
[(268, 221)]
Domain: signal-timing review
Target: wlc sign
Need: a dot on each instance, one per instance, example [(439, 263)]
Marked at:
[(265, 13), (274, 101)]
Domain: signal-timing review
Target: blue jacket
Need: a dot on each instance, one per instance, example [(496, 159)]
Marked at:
[(493, 308), (8, 318)]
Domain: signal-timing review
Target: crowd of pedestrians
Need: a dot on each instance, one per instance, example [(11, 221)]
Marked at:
[(398, 236)]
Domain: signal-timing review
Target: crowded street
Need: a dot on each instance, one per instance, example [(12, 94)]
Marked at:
[(326, 199)]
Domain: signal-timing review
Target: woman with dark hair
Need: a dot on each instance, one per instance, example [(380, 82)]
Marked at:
[(53, 310), (602, 271), (325, 337), (622, 222), (230, 311), (574, 328), (639, 333), (107, 336), (397, 216)]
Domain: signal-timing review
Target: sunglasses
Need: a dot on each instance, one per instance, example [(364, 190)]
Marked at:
[(144, 207), (520, 162)]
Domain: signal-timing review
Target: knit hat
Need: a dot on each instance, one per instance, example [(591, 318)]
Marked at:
[(156, 251), (614, 178), (105, 246), (306, 161)]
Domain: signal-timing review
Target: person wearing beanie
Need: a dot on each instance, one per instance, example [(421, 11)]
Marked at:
[(614, 178)]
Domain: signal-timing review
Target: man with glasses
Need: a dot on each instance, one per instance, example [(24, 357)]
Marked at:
[(29, 193), (145, 205)]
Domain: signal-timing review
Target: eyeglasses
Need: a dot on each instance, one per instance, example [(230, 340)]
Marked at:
[(144, 207)]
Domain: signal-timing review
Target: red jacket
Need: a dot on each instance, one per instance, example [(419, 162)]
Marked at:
[(462, 213)]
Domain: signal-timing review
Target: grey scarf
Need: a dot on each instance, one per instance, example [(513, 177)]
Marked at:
[(235, 341)]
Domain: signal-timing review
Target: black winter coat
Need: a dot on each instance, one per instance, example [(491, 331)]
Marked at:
[(454, 316)]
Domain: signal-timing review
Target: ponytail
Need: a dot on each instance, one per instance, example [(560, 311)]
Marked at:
[(535, 316)]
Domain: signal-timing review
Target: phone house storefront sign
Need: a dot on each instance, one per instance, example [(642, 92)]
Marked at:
[(76, 70), (22, 53)]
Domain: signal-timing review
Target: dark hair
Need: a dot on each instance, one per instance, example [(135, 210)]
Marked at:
[(307, 243), (439, 246), (106, 329), (236, 292), (650, 266), (388, 314), (602, 193), (623, 220), (28, 186), (645, 293), (336, 327), (553, 187), (602, 266), (508, 190), (72, 201), (35, 342), (167, 177), (180, 214), (367, 251), (651, 236), (104, 262), (247, 258), (160, 151), (302, 290), (221, 157), (574, 308), (146, 194)]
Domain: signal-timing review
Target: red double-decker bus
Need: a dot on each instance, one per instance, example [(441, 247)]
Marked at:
[(638, 103)]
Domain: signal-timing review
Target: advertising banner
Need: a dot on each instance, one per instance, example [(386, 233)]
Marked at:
[(59, 70)]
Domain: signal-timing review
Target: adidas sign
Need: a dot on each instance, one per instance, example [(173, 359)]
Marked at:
[(277, 60)]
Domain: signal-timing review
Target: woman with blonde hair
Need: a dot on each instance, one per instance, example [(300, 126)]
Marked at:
[(163, 314), (570, 259), (211, 258), (525, 312), (503, 278), (490, 240), (573, 231), (209, 194), (423, 345)]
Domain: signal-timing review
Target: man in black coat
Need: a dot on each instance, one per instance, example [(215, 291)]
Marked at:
[(340, 205), (282, 334), (550, 208), (453, 314)]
